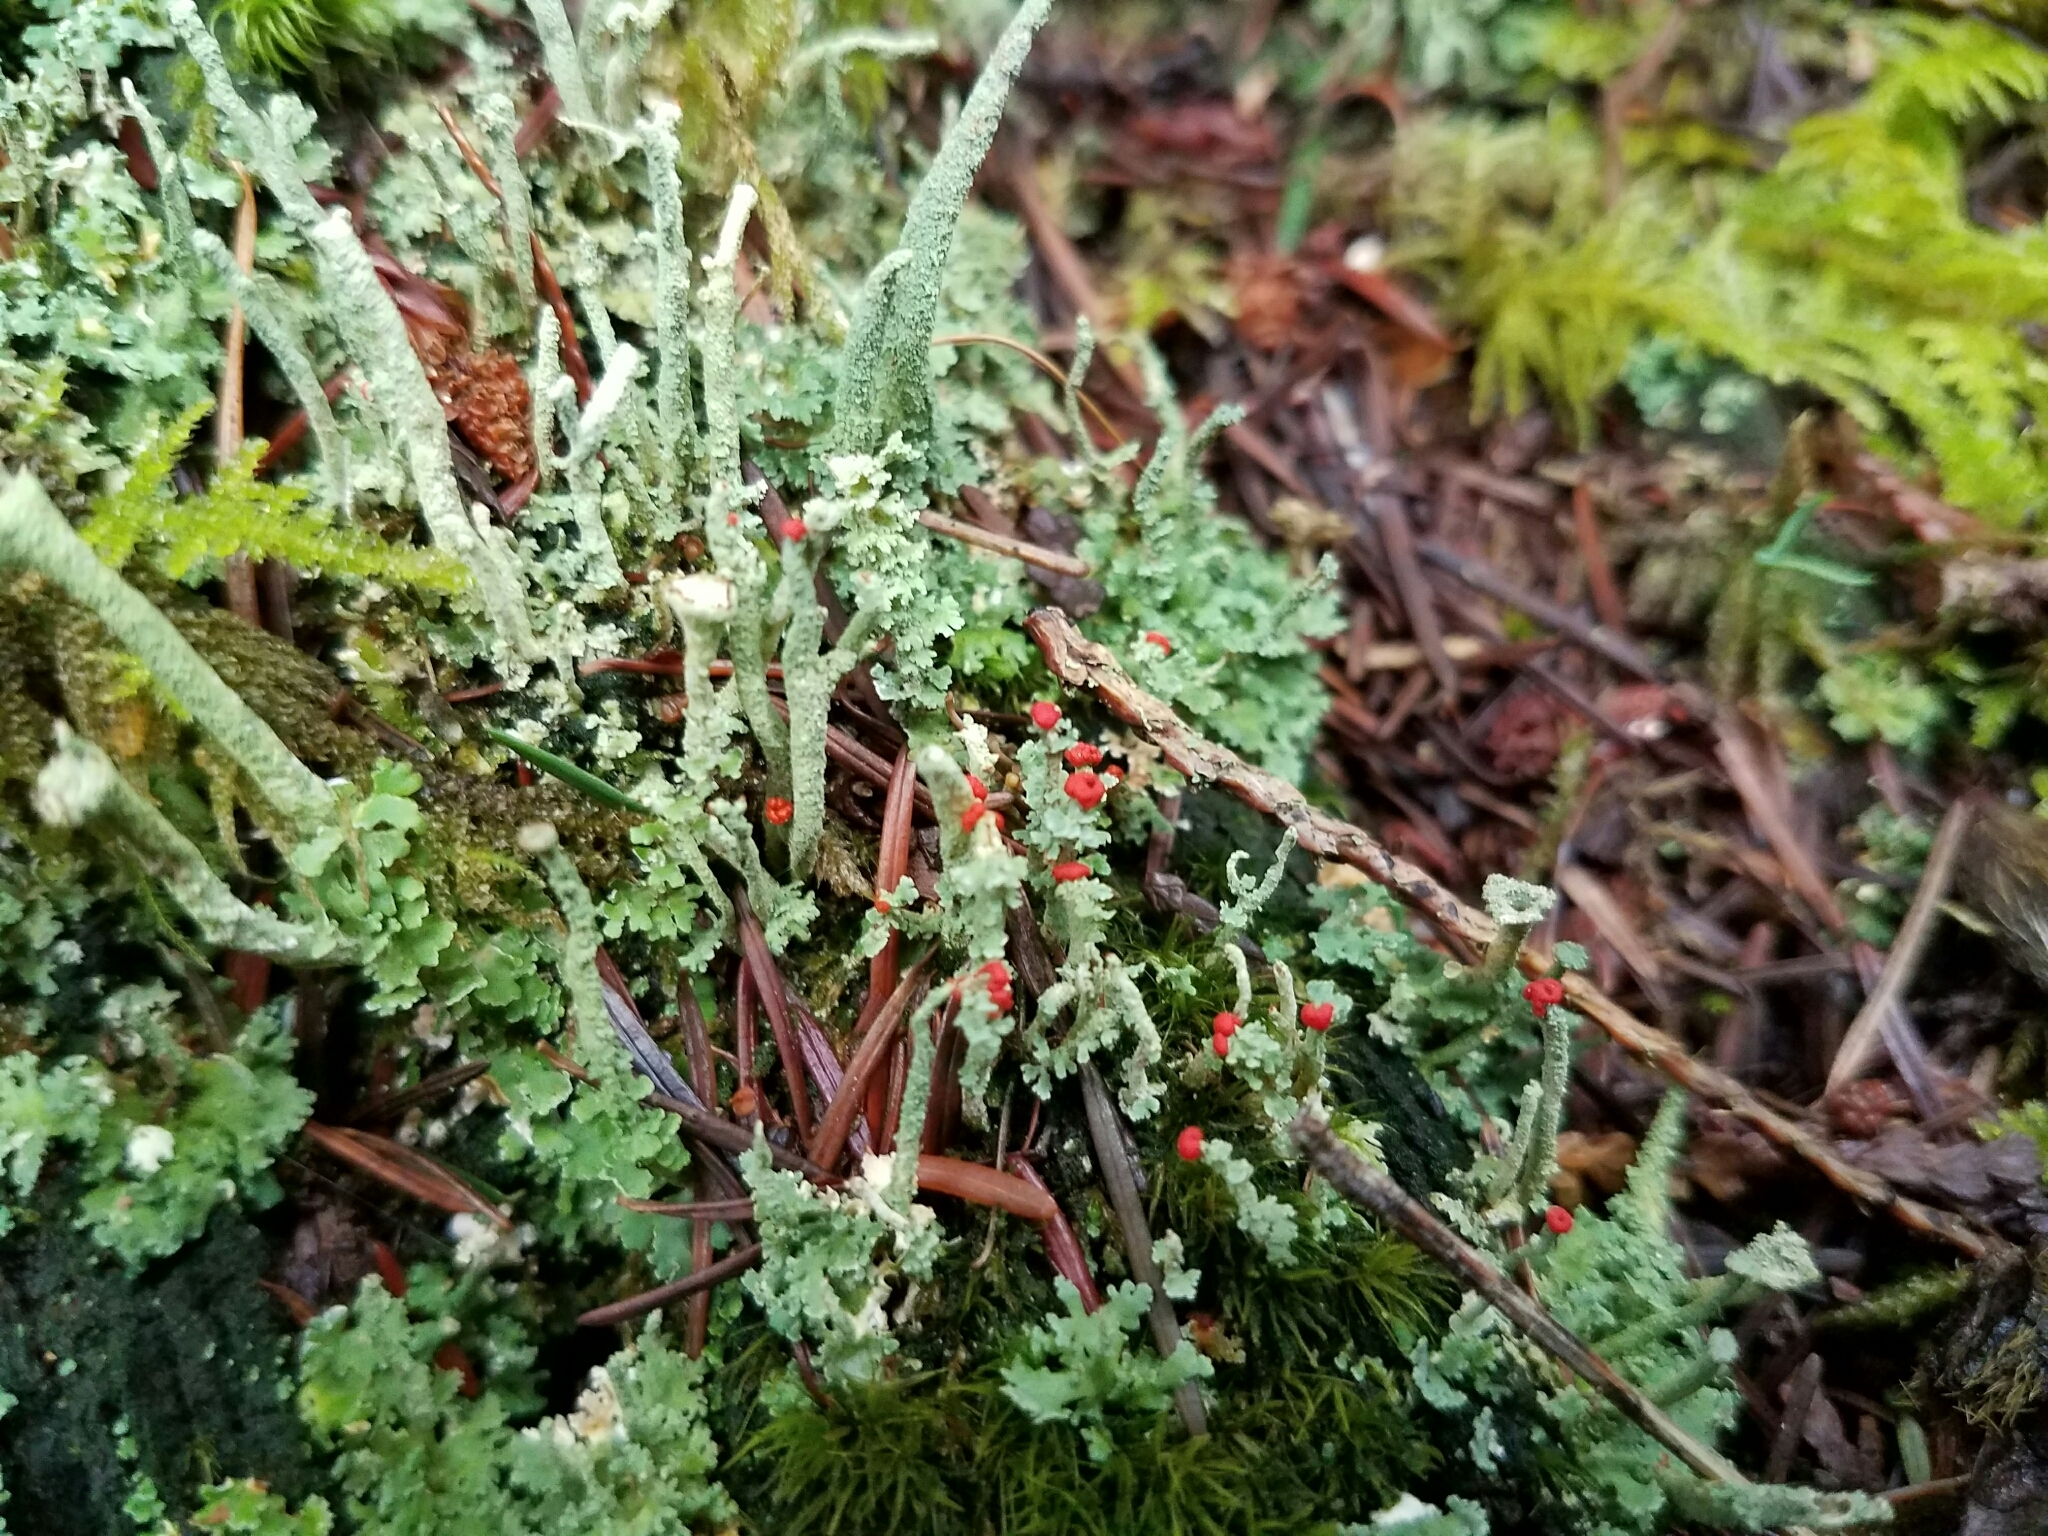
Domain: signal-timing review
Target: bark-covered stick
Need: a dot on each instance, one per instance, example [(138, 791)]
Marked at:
[(1366, 1187), (1120, 1179), (1080, 663)]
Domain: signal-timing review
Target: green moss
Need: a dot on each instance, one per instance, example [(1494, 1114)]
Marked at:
[(177, 1375)]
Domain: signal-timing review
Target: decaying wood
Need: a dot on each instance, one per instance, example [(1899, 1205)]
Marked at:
[(1080, 663)]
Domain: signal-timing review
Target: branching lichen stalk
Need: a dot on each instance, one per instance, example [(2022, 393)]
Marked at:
[(896, 392), (80, 784), (498, 125), (674, 413), (370, 324), (34, 536), (729, 521), (564, 59), (170, 184)]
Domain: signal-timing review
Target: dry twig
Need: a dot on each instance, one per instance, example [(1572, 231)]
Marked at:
[(1860, 1045), (1080, 663), (1363, 1186), (1121, 1180), (1035, 555)]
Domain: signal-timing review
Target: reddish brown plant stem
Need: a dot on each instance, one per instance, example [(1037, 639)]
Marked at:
[(745, 1043), (864, 1067), (534, 127), (406, 1169), (296, 425), (1860, 1045), (543, 270), (1120, 1180), (1062, 1244), (715, 1130), (1600, 583), (768, 987), (703, 1212), (739, 1261), (1036, 555), (239, 577), (704, 1079), (1481, 577)]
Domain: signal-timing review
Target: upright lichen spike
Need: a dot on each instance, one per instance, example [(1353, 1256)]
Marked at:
[(674, 412), (809, 676), (565, 60), (538, 840), (917, 1093), (586, 476), (898, 395), (1070, 388), (721, 322), (498, 125), (729, 520), (547, 374), (857, 415), (375, 333), (34, 536), (170, 184)]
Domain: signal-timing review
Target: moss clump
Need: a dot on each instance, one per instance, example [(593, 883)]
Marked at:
[(178, 1374)]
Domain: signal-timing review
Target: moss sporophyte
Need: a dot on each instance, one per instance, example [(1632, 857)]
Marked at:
[(542, 865)]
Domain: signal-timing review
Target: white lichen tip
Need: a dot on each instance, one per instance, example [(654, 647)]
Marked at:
[(737, 211), (1516, 903), (704, 597), (149, 1148), (74, 783), (538, 837)]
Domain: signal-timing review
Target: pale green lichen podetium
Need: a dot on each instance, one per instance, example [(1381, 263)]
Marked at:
[(171, 189), (565, 61), (674, 414), (637, 430), (80, 785), (917, 1093), (586, 490), (34, 536), (546, 384), (498, 125), (886, 382), (810, 672), (538, 840), (369, 322), (1530, 1158), (729, 519), (1516, 906)]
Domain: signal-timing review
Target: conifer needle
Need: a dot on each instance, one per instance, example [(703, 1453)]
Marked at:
[(561, 768)]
